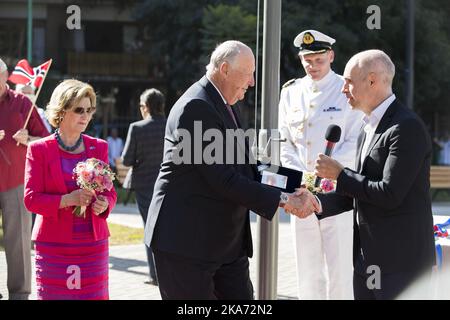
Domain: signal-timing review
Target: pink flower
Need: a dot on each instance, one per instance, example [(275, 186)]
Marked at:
[(326, 185)]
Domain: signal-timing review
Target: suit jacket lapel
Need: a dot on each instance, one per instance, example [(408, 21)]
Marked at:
[(381, 128), (218, 102), (55, 164), (221, 108), (90, 147), (360, 143)]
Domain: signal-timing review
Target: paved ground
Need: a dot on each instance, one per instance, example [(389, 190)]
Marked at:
[(128, 269)]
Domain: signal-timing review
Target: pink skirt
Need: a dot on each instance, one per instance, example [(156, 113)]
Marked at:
[(72, 271)]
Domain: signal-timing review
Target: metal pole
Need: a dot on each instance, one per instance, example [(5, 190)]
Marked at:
[(409, 79), (268, 231), (30, 32)]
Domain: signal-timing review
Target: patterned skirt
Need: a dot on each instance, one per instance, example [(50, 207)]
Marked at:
[(75, 271)]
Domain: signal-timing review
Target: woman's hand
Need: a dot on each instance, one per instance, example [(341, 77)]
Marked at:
[(79, 197), (100, 205)]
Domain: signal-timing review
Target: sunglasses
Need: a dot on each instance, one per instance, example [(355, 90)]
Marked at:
[(81, 110)]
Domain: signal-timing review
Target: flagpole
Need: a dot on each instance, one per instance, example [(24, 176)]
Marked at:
[(36, 97)]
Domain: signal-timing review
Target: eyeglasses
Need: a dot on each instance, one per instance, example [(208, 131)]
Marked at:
[(81, 110)]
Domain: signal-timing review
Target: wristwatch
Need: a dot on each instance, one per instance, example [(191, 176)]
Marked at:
[(284, 198)]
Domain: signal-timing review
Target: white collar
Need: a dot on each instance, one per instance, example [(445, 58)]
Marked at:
[(320, 84), (375, 116), (220, 93)]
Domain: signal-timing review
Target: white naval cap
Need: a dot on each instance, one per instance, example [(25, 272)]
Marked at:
[(312, 41), (3, 66)]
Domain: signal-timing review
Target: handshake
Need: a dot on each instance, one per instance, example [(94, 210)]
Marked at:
[(302, 203)]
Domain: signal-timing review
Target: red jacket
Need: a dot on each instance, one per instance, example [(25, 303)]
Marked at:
[(44, 187)]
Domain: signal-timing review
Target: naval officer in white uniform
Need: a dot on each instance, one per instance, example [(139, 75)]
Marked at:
[(307, 107)]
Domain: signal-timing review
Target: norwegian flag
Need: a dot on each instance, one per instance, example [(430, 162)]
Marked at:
[(23, 73)]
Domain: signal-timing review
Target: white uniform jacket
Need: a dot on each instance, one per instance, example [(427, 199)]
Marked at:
[(307, 108)]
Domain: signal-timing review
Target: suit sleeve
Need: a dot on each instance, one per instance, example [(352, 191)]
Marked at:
[(35, 199), (224, 178), (129, 151), (407, 149), (111, 195), (333, 204), (288, 151)]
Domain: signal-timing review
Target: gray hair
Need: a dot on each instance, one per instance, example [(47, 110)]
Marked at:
[(225, 52), (3, 66), (374, 61)]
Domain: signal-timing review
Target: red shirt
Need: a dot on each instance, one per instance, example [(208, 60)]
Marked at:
[(14, 108)]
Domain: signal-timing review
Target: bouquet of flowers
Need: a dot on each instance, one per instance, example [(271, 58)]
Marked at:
[(93, 175), (326, 185)]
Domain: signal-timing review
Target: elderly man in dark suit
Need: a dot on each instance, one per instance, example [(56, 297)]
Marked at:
[(143, 151), (389, 191), (198, 224)]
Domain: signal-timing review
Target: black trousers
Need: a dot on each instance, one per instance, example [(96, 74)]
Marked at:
[(182, 278), (415, 284), (143, 199)]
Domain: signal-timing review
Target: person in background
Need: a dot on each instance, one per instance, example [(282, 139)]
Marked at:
[(144, 153), (115, 147), (14, 110), (71, 252), (444, 152)]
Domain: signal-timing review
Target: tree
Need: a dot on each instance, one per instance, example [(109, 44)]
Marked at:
[(182, 34)]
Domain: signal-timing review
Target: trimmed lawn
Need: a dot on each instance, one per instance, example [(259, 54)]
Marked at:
[(120, 235)]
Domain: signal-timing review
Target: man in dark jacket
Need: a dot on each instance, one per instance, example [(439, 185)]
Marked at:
[(143, 151), (389, 191), (198, 224)]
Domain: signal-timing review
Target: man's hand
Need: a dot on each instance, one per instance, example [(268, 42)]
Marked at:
[(2, 134), (21, 136), (327, 167), (302, 204)]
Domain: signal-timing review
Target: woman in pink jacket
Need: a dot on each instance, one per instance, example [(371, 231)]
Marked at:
[(71, 252)]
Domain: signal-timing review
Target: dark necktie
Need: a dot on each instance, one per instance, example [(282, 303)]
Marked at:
[(232, 114)]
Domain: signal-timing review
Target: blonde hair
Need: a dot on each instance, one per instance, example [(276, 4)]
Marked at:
[(67, 94)]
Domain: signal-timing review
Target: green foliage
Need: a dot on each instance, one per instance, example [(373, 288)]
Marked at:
[(224, 22), (183, 33)]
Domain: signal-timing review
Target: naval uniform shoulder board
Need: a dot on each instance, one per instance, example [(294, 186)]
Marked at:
[(287, 84)]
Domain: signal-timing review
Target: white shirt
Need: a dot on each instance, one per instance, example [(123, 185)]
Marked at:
[(224, 101), (371, 123)]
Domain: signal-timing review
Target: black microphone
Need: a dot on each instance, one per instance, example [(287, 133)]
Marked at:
[(332, 136)]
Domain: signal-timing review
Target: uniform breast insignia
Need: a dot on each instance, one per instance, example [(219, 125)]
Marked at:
[(287, 84), (332, 109)]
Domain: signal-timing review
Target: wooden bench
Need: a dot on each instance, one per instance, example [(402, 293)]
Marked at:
[(439, 178)]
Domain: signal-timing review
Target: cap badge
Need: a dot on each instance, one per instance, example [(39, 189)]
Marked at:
[(308, 38)]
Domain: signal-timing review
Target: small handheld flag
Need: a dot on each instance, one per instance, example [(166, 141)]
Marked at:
[(23, 73)]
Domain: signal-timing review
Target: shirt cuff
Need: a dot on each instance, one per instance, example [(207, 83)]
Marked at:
[(320, 206)]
